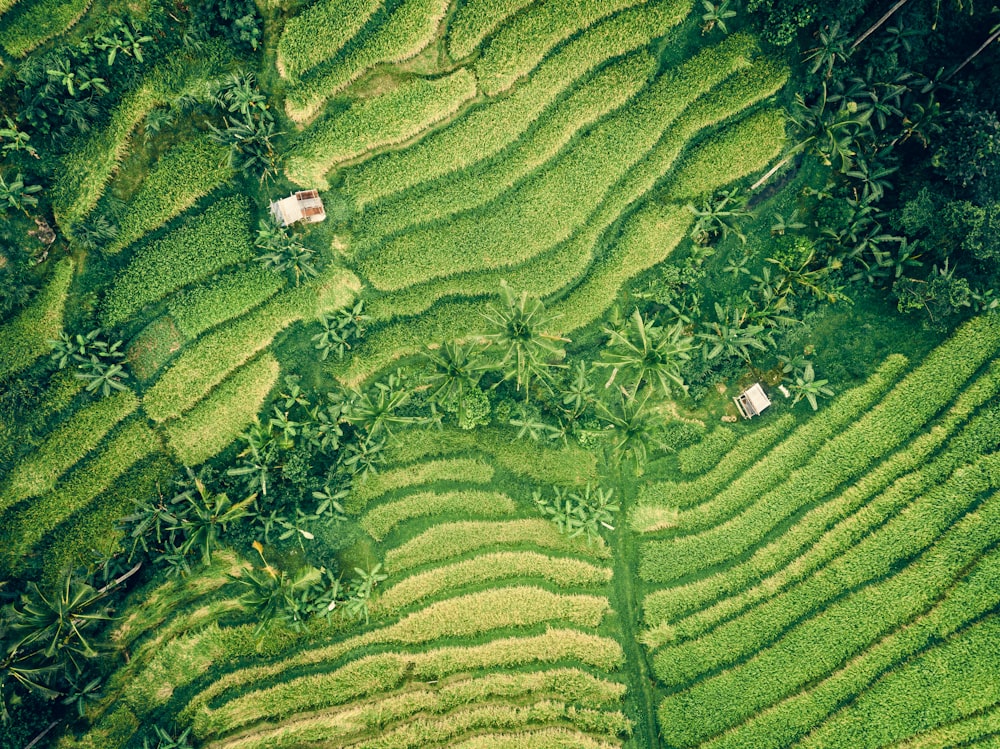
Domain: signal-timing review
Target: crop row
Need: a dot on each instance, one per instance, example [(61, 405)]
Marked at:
[(878, 554), (565, 465), (544, 738), (832, 527), (562, 571), (658, 502), (381, 520), (708, 452), (375, 715), (463, 616), (450, 540), (38, 22), (209, 242), (186, 172), (471, 470), (224, 414), (374, 123), (30, 523), (781, 724), (601, 93), (383, 672), (947, 683), (410, 27), (514, 228), (87, 169), (775, 467), (319, 32), (38, 472), (227, 296), (25, 338), (841, 631), (979, 729), (487, 130), (472, 719), (205, 363), (523, 43), (6, 5), (477, 19), (905, 409)]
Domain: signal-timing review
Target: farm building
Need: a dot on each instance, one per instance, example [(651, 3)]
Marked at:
[(304, 205), (752, 401)]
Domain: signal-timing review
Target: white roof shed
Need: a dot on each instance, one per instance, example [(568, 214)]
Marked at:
[(752, 401)]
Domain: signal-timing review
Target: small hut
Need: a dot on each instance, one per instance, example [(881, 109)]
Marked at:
[(752, 401), (304, 205)]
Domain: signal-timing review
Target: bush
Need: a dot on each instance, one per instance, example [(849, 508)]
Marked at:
[(65, 446), (450, 540), (186, 172), (320, 32), (463, 189), (470, 470), (562, 571), (25, 338), (477, 19), (708, 453), (524, 42), (916, 530), (35, 23), (28, 525), (830, 528), (385, 671), (773, 468), (377, 122), (840, 632), (227, 296), (405, 33), (906, 408), (211, 241), (381, 520), (510, 232), (224, 413)]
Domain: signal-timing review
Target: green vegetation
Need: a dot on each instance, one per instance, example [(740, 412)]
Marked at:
[(25, 338), (34, 23), (230, 295), (379, 521), (321, 31)]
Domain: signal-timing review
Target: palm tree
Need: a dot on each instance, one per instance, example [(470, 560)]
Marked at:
[(17, 195), (720, 214), (101, 376), (340, 330), (455, 370), (831, 49), (127, 39), (206, 518), (363, 456), (807, 386), (376, 412), (257, 458), (731, 336), (283, 253), (648, 353), (715, 16), (519, 329), (633, 426), (14, 139)]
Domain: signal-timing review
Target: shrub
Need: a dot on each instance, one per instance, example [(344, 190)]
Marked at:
[(905, 409), (450, 540), (320, 32), (511, 233), (186, 172), (471, 470), (486, 130), (212, 240), (840, 632), (35, 23), (29, 524), (380, 121), (381, 520), (657, 498), (588, 101), (477, 19), (524, 42), (227, 296), (25, 338), (704, 455), (224, 414), (409, 28), (886, 549), (774, 467), (562, 571), (382, 672), (65, 446), (826, 530)]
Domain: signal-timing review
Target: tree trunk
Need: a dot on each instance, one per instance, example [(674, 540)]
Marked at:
[(875, 27), (975, 54)]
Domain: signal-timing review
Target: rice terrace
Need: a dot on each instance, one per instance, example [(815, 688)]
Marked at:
[(499, 374)]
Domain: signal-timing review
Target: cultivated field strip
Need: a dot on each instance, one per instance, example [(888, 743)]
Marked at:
[(905, 409), (321, 31), (381, 520), (25, 338), (818, 632), (34, 23), (468, 470)]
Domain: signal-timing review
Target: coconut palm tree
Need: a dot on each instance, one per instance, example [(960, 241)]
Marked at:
[(632, 427), (206, 517), (455, 370), (646, 353)]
